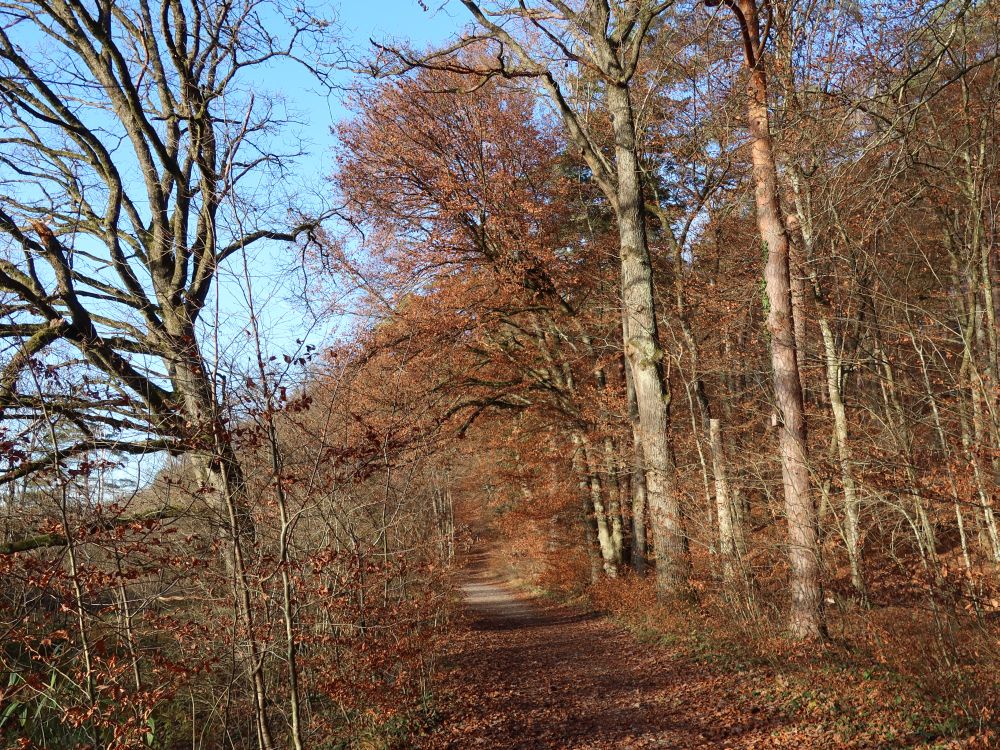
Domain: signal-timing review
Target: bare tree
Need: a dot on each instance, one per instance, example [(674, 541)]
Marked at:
[(129, 132), (132, 141)]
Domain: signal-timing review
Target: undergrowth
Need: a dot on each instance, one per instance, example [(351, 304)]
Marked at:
[(855, 692)]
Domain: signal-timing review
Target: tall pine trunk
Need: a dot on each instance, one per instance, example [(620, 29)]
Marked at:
[(805, 615)]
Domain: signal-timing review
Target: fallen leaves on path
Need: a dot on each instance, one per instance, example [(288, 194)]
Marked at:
[(525, 674)]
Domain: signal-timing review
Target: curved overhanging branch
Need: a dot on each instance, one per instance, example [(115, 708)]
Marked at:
[(751, 51), (36, 542), (58, 456)]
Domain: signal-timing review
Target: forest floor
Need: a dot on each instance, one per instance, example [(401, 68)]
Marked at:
[(523, 672)]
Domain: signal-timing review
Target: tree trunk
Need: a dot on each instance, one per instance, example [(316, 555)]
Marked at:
[(805, 616), (614, 501), (729, 548), (644, 355), (600, 514), (638, 484), (222, 473), (800, 293), (639, 551), (587, 513), (852, 505)]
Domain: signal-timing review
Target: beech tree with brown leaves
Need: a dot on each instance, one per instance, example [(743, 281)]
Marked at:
[(594, 268), (608, 40)]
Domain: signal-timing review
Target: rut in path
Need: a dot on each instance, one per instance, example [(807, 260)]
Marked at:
[(525, 675)]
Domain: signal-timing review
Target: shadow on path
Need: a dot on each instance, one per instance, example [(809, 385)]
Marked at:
[(526, 675)]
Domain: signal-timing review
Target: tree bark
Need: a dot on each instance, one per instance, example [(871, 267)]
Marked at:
[(590, 540), (638, 484), (805, 616), (852, 505), (729, 531), (614, 502), (644, 355), (604, 536)]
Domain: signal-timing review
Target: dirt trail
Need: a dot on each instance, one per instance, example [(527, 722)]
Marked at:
[(525, 675)]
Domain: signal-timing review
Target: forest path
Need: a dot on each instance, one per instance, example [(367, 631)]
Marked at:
[(524, 674)]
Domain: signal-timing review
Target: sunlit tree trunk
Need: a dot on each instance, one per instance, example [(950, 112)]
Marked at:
[(637, 484), (614, 501), (729, 531), (590, 539), (805, 616), (643, 353)]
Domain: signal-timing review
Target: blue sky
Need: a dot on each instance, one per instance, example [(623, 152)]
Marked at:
[(275, 274), (283, 320), (402, 19), (359, 22)]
